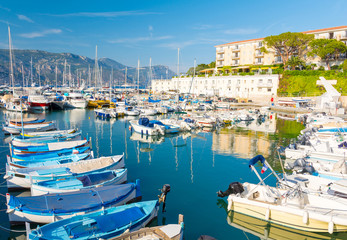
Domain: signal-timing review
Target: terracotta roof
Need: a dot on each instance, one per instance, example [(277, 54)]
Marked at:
[(310, 31), (250, 40), (326, 29)]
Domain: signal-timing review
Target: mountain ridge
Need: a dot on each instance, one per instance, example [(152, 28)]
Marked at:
[(44, 63)]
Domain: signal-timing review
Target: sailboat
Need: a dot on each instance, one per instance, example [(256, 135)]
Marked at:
[(12, 103)]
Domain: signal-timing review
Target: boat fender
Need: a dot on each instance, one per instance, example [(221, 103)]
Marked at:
[(305, 218), (230, 203), (331, 227), (267, 214)]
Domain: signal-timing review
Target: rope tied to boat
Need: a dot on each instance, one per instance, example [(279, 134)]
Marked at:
[(11, 230)]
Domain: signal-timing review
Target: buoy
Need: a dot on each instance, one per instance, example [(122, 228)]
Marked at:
[(89, 117), (305, 218), (267, 214), (331, 227)]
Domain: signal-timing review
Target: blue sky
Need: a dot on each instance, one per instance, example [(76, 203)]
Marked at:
[(128, 30)]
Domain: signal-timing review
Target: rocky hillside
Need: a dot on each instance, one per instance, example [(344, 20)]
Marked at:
[(44, 68)]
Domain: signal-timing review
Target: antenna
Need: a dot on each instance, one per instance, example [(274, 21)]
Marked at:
[(56, 78)]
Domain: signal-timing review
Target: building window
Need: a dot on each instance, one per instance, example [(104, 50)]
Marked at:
[(251, 89), (229, 81), (269, 81), (252, 81), (269, 89), (260, 81)]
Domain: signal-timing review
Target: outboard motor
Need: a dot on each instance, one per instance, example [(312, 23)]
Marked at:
[(314, 129), (164, 191), (234, 188), (308, 169)]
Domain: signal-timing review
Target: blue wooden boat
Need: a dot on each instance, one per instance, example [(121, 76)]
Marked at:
[(48, 161), (51, 154), (58, 133), (53, 207), (104, 224), (80, 182), (24, 177), (48, 147), (19, 141), (27, 121)]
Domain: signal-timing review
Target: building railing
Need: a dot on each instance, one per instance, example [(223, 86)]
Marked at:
[(265, 85)]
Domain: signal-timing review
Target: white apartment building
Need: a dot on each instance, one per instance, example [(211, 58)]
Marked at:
[(237, 86), (247, 52)]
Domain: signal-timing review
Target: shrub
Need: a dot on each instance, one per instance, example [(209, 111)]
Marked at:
[(321, 68)]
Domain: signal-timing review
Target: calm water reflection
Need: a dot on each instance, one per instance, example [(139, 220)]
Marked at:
[(196, 165)]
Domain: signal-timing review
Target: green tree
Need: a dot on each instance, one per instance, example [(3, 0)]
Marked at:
[(327, 49), (295, 62), (288, 44)]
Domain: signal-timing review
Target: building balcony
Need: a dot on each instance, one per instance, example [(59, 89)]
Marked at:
[(235, 64), (259, 55), (220, 50), (264, 85), (258, 63), (343, 37), (236, 57), (220, 57), (236, 49)]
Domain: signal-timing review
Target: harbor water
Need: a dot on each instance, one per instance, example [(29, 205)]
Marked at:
[(196, 165)]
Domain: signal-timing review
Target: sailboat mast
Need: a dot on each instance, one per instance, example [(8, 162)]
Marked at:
[(64, 75), (39, 75), (56, 77), (138, 76), (31, 71), (89, 76), (96, 66), (23, 74), (178, 62), (11, 60), (150, 70), (69, 75)]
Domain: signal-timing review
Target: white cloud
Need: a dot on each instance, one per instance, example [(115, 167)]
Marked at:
[(241, 31), (41, 34), (5, 8), (104, 14), (139, 39), (24, 18)]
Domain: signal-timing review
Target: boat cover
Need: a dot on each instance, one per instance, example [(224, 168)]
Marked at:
[(145, 122), (74, 201), (256, 159), (117, 220)]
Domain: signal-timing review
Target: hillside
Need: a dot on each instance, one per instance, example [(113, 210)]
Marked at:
[(44, 68)]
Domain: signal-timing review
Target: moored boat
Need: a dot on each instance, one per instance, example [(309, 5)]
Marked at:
[(105, 224)]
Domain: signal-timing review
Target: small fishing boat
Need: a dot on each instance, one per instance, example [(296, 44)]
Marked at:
[(53, 207), (48, 147), (27, 120), (24, 177), (144, 127), (39, 141), (51, 154), (28, 128), (48, 134), (15, 163), (70, 184), (102, 224)]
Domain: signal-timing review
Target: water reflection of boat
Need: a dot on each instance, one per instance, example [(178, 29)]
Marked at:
[(147, 138), (266, 230)]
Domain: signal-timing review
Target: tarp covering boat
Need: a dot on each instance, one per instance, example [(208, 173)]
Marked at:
[(74, 201)]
